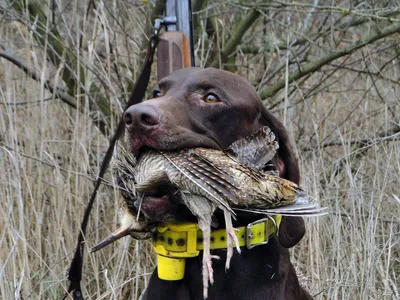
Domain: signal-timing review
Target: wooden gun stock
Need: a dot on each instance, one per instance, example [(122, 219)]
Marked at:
[(173, 53)]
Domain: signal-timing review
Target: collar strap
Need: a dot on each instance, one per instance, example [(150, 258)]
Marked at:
[(173, 243), (186, 239)]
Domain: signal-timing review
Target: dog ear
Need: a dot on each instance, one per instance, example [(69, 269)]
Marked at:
[(291, 229)]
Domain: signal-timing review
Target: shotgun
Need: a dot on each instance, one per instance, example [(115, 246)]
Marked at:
[(175, 46)]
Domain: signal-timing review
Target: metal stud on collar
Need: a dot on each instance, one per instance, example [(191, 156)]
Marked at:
[(249, 235)]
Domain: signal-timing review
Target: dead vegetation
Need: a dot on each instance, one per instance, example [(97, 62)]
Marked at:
[(332, 73)]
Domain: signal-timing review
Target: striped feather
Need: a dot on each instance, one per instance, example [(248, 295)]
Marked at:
[(201, 184), (256, 150), (223, 175), (209, 183)]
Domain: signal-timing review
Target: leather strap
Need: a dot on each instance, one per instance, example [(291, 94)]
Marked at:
[(139, 90)]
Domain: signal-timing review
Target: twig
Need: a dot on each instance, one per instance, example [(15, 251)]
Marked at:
[(30, 102), (62, 95), (385, 136), (60, 55), (358, 216), (359, 102), (330, 8), (377, 88), (236, 37), (315, 65), (365, 72), (45, 163)]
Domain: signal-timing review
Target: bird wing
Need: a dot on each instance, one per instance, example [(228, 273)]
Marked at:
[(191, 171), (255, 150), (224, 168), (213, 171)]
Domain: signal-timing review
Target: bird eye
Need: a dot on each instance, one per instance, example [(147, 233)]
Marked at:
[(211, 98), (156, 93)]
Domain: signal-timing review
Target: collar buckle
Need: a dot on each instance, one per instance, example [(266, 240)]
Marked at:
[(249, 234)]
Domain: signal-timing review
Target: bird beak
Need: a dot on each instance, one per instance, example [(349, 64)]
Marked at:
[(116, 235)]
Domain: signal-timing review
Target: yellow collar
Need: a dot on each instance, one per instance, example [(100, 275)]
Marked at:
[(175, 242)]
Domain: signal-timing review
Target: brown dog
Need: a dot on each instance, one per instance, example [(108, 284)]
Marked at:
[(212, 108)]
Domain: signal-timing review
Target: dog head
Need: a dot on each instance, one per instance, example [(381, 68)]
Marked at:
[(207, 108)]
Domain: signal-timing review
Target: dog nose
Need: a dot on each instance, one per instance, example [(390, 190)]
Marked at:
[(141, 116)]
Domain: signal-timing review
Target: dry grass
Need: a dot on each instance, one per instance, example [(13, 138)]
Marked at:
[(345, 135)]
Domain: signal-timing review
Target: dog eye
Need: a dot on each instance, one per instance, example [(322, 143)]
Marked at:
[(156, 93), (211, 98)]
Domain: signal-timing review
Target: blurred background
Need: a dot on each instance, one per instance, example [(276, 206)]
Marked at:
[(329, 69)]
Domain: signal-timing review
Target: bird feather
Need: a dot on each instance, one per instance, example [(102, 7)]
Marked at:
[(256, 150)]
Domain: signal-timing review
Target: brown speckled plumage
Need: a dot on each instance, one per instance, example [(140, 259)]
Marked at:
[(219, 176), (226, 179), (208, 179)]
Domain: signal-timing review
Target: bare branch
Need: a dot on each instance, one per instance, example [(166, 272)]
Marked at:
[(30, 102), (59, 54), (60, 93), (392, 134), (369, 73), (90, 177), (352, 216), (376, 14), (236, 37), (344, 25), (317, 64)]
